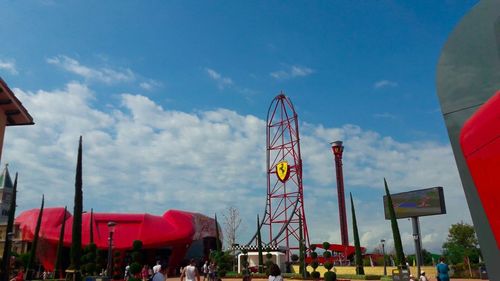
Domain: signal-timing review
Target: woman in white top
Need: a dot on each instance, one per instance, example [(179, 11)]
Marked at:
[(275, 273)]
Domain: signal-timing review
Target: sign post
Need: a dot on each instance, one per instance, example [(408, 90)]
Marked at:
[(418, 243)]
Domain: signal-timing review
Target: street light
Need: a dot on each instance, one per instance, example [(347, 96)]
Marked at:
[(111, 228), (383, 253)]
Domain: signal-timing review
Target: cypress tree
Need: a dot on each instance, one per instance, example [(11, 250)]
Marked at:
[(76, 245), (217, 238), (259, 247), (60, 246), (359, 259), (400, 256), (91, 234), (31, 260), (10, 227), (302, 250)]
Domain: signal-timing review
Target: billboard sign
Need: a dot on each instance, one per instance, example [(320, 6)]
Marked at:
[(417, 203)]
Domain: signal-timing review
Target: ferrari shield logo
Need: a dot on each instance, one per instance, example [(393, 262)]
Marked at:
[(283, 171)]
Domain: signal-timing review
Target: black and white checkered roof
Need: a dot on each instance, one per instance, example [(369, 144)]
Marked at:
[(253, 248)]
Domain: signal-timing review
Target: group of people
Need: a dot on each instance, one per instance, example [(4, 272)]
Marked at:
[(442, 270), (209, 271), (158, 271)]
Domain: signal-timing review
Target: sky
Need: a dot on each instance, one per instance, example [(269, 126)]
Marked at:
[(171, 99)]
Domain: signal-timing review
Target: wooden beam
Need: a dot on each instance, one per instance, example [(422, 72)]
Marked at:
[(5, 101), (12, 112), (10, 120)]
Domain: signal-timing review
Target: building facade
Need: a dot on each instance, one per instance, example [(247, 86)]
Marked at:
[(6, 191)]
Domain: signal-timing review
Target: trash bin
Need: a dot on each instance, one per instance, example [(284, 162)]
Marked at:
[(400, 274)]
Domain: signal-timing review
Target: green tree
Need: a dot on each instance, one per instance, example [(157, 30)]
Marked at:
[(302, 250), (135, 267), (259, 247), (244, 262), (314, 263), (58, 270), (91, 231), (76, 245), (31, 260), (461, 242), (89, 259), (10, 227), (400, 256), (359, 258), (217, 236), (427, 256)]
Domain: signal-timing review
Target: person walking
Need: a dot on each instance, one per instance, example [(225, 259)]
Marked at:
[(212, 271), (190, 272), (442, 270), (161, 275), (145, 273), (205, 270), (157, 267), (422, 276), (275, 273)]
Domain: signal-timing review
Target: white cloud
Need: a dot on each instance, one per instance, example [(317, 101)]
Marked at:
[(385, 115), (384, 84), (150, 84), (103, 74), (8, 65), (156, 159), (222, 82), (292, 72)]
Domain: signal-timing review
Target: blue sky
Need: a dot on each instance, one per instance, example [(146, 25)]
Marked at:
[(151, 85)]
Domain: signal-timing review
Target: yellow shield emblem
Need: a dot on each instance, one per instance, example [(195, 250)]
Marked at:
[(283, 171)]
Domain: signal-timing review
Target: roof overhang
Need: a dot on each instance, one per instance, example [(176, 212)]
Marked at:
[(15, 112)]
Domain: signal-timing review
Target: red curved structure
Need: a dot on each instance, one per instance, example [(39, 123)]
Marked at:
[(175, 230), (285, 200), (480, 141)]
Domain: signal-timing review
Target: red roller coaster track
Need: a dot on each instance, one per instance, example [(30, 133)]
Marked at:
[(285, 200)]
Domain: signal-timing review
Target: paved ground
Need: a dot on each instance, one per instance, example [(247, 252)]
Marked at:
[(258, 279)]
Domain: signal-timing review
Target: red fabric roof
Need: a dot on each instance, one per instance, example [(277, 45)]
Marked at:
[(175, 229)]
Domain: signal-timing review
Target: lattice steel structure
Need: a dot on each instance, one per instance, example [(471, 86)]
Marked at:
[(285, 200)]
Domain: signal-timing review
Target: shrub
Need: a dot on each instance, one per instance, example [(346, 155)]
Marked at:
[(314, 265), (315, 274), (326, 246), (330, 276), (314, 255), (137, 245), (328, 265), (327, 254), (295, 258), (135, 268)]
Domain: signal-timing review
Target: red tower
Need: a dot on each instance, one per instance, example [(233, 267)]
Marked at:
[(285, 201), (338, 149)]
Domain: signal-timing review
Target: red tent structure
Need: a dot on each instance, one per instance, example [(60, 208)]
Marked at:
[(480, 141), (175, 234)]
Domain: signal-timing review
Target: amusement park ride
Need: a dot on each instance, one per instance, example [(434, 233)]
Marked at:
[(284, 213), (284, 210)]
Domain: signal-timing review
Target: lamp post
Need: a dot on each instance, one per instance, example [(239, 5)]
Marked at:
[(111, 228), (383, 253)]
